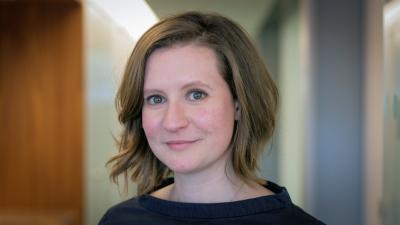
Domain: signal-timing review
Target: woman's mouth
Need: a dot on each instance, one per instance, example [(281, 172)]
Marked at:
[(180, 144)]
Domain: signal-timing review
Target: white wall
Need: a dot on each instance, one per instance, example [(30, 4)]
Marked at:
[(291, 119), (391, 125), (107, 47)]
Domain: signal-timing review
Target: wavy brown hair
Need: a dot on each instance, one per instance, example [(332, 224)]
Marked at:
[(243, 70)]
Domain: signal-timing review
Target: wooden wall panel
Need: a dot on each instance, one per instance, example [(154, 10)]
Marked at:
[(41, 109)]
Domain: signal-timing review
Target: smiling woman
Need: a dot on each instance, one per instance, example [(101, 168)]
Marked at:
[(193, 130), (190, 127)]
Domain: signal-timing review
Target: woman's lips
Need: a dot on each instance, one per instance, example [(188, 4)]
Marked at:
[(179, 145)]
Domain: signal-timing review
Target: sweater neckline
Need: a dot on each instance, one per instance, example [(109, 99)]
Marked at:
[(279, 199)]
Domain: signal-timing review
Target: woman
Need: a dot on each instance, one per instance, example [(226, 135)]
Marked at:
[(197, 106)]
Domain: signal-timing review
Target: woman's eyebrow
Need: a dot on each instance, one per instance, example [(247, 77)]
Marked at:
[(196, 83), (186, 86), (152, 91)]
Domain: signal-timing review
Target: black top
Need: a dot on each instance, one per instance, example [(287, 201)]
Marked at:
[(275, 209)]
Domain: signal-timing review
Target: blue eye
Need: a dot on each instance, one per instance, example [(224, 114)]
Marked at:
[(155, 99), (196, 95)]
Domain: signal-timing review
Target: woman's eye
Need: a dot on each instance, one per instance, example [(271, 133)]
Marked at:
[(196, 95), (155, 99)]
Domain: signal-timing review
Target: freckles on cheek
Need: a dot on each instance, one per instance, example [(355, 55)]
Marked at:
[(204, 116), (214, 117), (148, 124)]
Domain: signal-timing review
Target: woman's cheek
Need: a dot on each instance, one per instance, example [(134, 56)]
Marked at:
[(202, 118), (212, 117), (150, 123)]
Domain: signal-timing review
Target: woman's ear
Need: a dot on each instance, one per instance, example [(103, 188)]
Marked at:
[(237, 110)]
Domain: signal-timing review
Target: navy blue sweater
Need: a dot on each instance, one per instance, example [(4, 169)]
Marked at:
[(275, 209)]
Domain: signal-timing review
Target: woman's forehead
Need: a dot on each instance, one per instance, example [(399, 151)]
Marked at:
[(182, 63)]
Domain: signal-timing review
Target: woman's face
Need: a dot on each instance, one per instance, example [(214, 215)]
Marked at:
[(188, 113)]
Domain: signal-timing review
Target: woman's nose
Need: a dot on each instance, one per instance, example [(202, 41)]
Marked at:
[(174, 117)]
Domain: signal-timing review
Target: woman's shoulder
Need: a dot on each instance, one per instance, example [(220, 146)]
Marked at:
[(122, 212), (148, 209), (297, 215), (290, 213)]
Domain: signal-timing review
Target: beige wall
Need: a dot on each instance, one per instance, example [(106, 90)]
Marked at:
[(106, 49)]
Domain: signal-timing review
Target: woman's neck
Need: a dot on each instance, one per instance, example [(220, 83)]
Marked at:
[(220, 185)]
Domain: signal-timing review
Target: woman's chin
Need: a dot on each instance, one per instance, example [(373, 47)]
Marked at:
[(182, 167)]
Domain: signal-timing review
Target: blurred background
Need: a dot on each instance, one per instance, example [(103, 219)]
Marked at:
[(337, 65)]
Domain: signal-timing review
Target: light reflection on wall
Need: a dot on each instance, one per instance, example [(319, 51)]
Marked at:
[(391, 158), (107, 47)]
